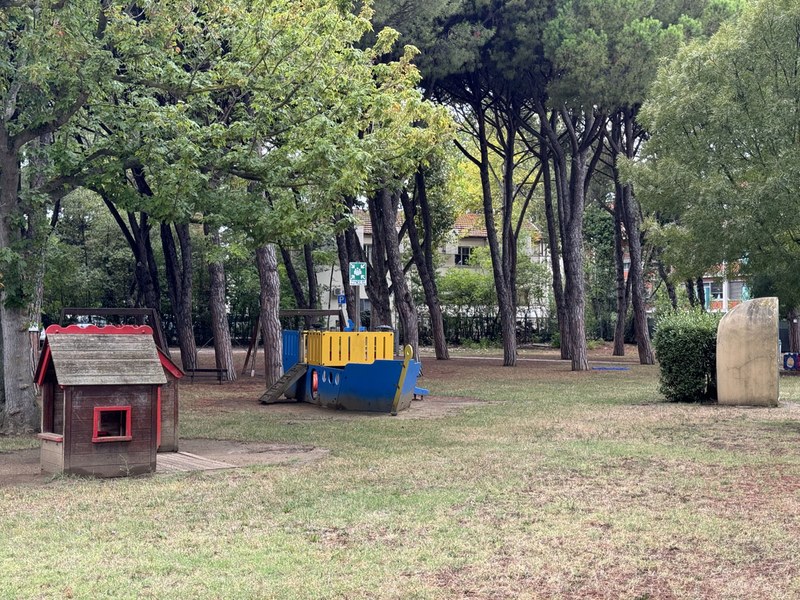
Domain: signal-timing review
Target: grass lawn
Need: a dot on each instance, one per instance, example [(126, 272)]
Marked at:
[(559, 485)]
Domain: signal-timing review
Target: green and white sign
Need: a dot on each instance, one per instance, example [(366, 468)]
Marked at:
[(358, 273)]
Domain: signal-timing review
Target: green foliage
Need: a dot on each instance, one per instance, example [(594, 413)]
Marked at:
[(601, 289), (481, 344), (87, 261), (555, 340), (721, 167), (686, 349), (606, 53), (467, 290)]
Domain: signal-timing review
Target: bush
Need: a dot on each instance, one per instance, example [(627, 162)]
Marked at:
[(555, 340), (686, 349), (482, 344)]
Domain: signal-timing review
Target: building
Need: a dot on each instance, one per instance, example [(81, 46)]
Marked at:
[(468, 234)]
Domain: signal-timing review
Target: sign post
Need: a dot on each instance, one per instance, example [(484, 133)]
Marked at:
[(358, 279)]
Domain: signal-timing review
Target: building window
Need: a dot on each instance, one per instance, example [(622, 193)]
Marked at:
[(736, 290), (716, 290), (112, 424), (368, 252), (462, 255)]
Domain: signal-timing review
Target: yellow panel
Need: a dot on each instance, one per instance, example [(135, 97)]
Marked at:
[(336, 349)]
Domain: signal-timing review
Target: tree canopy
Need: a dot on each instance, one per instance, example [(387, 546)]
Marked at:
[(256, 114), (721, 168)]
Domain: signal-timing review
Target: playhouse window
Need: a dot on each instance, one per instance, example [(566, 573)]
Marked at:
[(112, 424)]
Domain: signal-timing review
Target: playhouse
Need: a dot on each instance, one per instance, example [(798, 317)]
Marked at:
[(102, 400)]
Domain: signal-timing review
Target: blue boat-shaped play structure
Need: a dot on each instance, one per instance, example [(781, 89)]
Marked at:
[(346, 370)]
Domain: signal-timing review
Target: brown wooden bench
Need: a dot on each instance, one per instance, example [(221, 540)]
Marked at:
[(218, 373)]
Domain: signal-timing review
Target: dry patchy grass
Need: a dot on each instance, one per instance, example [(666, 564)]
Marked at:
[(550, 484)]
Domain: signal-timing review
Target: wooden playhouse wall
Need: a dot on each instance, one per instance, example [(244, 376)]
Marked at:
[(110, 459), (169, 415)]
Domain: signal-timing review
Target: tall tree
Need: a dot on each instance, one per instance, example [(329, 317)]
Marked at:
[(217, 304), (422, 253), (267, 261), (385, 203), (722, 161), (179, 283), (471, 51), (55, 59)]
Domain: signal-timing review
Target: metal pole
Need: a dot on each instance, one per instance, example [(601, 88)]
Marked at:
[(358, 308)]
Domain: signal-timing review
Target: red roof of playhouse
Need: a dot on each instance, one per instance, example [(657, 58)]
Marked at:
[(114, 354)]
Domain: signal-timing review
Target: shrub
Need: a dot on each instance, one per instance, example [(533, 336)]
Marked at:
[(594, 344), (482, 344), (686, 349), (555, 340)]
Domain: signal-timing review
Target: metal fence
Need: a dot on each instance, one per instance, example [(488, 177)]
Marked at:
[(458, 329)]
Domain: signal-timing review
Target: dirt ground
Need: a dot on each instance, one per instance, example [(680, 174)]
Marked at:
[(206, 394), (533, 362), (21, 467)]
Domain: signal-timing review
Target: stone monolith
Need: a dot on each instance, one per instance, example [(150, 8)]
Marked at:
[(747, 354)]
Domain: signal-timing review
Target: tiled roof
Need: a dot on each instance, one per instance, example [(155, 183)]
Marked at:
[(362, 217), (467, 225), (470, 225)]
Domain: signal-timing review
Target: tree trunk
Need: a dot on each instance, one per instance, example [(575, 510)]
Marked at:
[(424, 262), (179, 283), (18, 410), (267, 261), (137, 234), (571, 186), (622, 287), (344, 260), (673, 296), (636, 273), (690, 292), (294, 279), (701, 294), (622, 142), (386, 204), (573, 271), (220, 329), (555, 253), (581, 131), (294, 282), (793, 317), (147, 272), (505, 299), (311, 276), (377, 273)]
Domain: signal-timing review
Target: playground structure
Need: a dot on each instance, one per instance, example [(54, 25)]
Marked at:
[(351, 370), (169, 399), (306, 313), (102, 400)]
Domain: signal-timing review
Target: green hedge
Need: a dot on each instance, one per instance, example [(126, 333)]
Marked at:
[(686, 349)]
